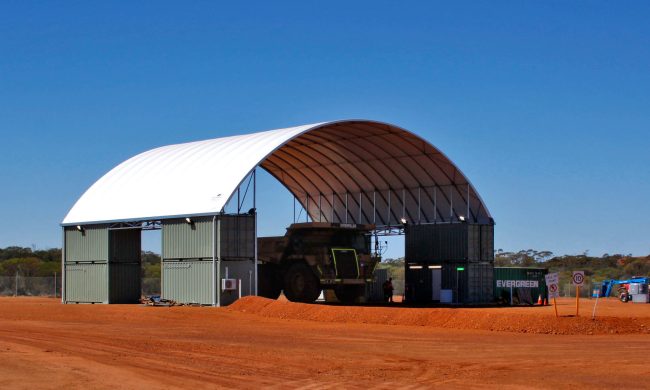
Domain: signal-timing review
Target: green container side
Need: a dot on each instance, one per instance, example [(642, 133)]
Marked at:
[(504, 274), (86, 245)]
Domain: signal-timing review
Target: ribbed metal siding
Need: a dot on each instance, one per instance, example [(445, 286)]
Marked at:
[(450, 242), (375, 290), (125, 245), (187, 241), (480, 279), (187, 281), (184, 241), (487, 243), (434, 244), (458, 242), (516, 273), (89, 245), (87, 283), (474, 243), (125, 282), (237, 237)]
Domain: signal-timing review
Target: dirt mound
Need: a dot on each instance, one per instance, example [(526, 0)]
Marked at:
[(517, 320)]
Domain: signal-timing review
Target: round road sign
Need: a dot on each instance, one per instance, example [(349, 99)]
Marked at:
[(578, 278), (552, 288)]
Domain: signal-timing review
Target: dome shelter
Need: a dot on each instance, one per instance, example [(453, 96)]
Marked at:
[(349, 171)]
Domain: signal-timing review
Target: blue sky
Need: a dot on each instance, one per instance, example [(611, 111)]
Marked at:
[(545, 106)]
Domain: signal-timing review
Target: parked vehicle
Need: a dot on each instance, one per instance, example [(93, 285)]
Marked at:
[(315, 256), (625, 287)]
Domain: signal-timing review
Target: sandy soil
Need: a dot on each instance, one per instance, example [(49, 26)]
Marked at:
[(257, 342)]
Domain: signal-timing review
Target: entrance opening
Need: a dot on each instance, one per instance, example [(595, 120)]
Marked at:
[(151, 262)]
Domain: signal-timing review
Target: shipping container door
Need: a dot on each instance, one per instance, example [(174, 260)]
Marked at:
[(421, 283), (436, 283)]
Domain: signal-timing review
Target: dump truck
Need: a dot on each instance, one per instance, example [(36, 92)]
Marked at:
[(316, 256)]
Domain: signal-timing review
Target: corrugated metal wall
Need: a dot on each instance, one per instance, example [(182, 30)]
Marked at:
[(237, 237), (91, 244), (118, 253), (450, 242), (102, 265), (473, 284), (375, 290), (480, 279), (438, 243), (190, 280), (194, 241), (181, 240), (487, 243), (187, 281), (86, 283), (521, 293), (458, 245)]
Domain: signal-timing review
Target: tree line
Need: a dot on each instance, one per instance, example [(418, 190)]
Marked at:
[(597, 268), (45, 262)]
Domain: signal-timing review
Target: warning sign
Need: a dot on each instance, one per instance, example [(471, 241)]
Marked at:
[(578, 278), (552, 282)]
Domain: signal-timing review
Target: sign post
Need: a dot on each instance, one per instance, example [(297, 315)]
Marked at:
[(593, 313), (578, 279), (552, 282)]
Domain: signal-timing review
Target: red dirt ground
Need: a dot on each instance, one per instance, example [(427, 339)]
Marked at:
[(258, 342)]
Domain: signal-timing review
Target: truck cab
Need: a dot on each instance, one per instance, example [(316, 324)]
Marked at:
[(314, 256)]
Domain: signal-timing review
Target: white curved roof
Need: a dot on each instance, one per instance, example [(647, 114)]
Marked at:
[(365, 164)]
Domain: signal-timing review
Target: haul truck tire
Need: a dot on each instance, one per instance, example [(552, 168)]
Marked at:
[(268, 281), (349, 294), (300, 284)]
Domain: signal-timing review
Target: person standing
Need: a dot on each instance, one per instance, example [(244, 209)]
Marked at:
[(388, 290)]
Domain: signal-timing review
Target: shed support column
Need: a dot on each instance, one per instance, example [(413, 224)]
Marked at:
[(360, 208), (419, 204), (403, 202), (467, 216), (63, 268), (388, 216), (451, 204), (435, 205), (255, 216), (216, 261), (374, 207)]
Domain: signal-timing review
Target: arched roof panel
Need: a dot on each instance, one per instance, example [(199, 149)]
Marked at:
[(365, 164)]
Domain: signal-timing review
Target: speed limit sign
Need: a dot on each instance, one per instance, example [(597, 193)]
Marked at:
[(578, 278)]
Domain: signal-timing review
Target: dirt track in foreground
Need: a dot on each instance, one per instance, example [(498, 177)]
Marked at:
[(47, 345)]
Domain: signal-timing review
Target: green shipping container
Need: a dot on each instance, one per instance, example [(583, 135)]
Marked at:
[(525, 284)]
